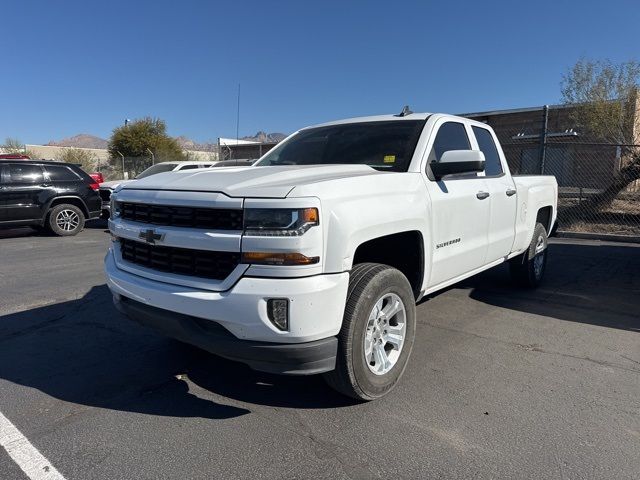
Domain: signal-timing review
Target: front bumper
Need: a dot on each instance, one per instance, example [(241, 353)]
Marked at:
[(316, 303), (316, 308), (283, 358)]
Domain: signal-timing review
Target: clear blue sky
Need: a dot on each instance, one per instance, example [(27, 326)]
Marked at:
[(73, 67)]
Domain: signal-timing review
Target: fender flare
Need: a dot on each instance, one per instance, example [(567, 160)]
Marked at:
[(85, 209)]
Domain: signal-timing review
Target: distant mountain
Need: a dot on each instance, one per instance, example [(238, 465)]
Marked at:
[(83, 140), (264, 137)]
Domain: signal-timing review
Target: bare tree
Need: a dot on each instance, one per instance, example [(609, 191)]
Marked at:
[(605, 97), (13, 145), (84, 158)]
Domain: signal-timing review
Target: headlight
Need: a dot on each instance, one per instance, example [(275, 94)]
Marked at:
[(279, 222), (114, 207)]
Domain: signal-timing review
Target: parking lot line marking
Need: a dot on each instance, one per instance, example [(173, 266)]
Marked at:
[(28, 458)]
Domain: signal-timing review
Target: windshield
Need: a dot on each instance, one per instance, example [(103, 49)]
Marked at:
[(157, 168), (386, 145)]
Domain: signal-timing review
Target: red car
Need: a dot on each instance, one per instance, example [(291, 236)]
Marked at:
[(14, 156)]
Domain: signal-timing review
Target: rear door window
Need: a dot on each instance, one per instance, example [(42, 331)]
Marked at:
[(189, 167), (61, 173), (492, 166), (20, 173)]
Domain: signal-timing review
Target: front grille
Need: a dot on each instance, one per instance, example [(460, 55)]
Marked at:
[(105, 194), (184, 261), (209, 218)]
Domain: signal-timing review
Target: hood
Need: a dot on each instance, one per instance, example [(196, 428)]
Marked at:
[(114, 183), (264, 182)]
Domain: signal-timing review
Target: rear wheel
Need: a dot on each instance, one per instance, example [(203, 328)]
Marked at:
[(65, 220), (528, 269), (377, 332)]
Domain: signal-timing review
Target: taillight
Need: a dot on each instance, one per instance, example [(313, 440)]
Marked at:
[(95, 186), (97, 176)]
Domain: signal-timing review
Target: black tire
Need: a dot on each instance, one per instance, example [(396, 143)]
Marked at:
[(56, 220), (527, 269), (368, 284)]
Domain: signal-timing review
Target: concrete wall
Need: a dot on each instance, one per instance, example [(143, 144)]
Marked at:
[(49, 152)]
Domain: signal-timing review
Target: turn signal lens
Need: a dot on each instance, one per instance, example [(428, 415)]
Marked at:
[(310, 215), (269, 258)]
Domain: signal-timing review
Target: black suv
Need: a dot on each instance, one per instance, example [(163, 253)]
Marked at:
[(53, 196)]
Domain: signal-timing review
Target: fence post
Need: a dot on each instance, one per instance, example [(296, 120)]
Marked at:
[(153, 157), (543, 137), (121, 155)]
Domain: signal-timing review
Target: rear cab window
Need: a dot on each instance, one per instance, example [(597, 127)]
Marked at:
[(493, 165)]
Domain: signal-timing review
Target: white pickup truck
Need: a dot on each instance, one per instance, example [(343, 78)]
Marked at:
[(312, 260)]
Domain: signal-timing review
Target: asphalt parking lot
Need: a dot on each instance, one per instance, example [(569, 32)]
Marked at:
[(503, 383)]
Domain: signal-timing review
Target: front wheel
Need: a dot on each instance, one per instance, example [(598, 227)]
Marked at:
[(377, 332), (528, 268)]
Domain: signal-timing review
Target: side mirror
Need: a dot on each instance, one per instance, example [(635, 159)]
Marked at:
[(458, 161)]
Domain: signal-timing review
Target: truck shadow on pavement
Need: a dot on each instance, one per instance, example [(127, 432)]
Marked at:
[(596, 284), (84, 351)]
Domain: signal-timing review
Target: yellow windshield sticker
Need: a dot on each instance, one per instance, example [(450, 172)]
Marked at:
[(389, 159)]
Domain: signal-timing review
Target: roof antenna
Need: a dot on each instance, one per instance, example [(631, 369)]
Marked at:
[(405, 111)]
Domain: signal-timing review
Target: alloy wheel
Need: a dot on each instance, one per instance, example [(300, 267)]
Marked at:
[(67, 220), (385, 334)]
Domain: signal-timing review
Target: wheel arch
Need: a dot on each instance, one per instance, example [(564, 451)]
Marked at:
[(403, 250), (545, 217), (71, 200)]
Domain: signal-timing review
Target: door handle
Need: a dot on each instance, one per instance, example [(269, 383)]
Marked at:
[(482, 195), (511, 192)]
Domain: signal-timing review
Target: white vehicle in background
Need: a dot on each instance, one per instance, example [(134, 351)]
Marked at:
[(312, 260), (107, 188)]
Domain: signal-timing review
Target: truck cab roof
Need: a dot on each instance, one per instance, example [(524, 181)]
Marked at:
[(396, 117)]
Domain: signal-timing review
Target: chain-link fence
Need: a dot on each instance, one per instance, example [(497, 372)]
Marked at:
[(125, 167), (594, 195), (599, 182), (128, 167)]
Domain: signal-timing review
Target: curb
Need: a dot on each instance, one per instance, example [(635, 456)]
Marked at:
[(600, 236)]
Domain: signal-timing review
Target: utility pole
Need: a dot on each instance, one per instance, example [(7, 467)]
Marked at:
[(238, 116)]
